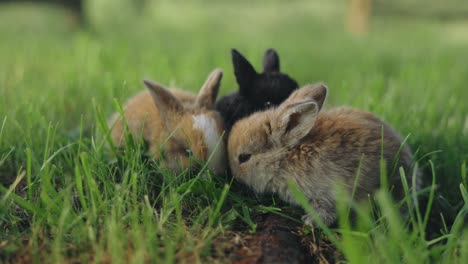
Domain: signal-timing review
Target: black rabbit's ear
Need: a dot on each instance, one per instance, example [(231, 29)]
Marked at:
[(271, 61), (244, 71)]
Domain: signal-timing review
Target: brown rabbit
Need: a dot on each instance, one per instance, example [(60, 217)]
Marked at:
[(176, 129), (295, 141), (188, 99)]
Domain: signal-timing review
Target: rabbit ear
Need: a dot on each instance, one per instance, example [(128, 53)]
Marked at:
[(297, 115), (295, 121), (207, 95), (244, 71), (271, 61), (316, 92), (164, 100)]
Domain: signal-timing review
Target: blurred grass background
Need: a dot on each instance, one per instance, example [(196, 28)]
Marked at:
[(409, 67)]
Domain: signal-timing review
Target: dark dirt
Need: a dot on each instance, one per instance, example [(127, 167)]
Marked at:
[(277, 240)]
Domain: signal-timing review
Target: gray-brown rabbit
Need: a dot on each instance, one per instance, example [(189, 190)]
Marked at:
[(176, 125), (315, 149)]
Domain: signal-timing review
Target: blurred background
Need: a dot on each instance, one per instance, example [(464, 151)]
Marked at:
[(357, 16), (307, 33), (189, 26)]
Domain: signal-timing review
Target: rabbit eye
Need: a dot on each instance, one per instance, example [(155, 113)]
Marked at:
[(267, 103), (188, 152), (244, 157)]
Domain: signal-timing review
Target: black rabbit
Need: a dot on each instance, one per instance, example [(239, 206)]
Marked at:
[(257, 91)]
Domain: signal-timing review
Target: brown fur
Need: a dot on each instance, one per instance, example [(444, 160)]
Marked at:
[(316, 151), (165, 120), (188, 99)]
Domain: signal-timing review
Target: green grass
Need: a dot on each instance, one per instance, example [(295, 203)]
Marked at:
[(65, 196)]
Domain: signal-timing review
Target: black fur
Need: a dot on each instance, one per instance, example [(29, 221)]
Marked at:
[(257, 91)]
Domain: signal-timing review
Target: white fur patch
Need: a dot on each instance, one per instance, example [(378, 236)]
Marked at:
[(208, 127)]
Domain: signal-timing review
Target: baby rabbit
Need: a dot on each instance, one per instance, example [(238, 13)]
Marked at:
[(176, 129), (295, 141), (256, 91)]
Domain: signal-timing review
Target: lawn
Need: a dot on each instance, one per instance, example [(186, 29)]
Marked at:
[(66, 197)]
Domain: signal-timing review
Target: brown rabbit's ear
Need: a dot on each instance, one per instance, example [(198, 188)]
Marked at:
[(296, 116), (316, 92), (165, 101), (294, 121), (271, 61), (209, 91)]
